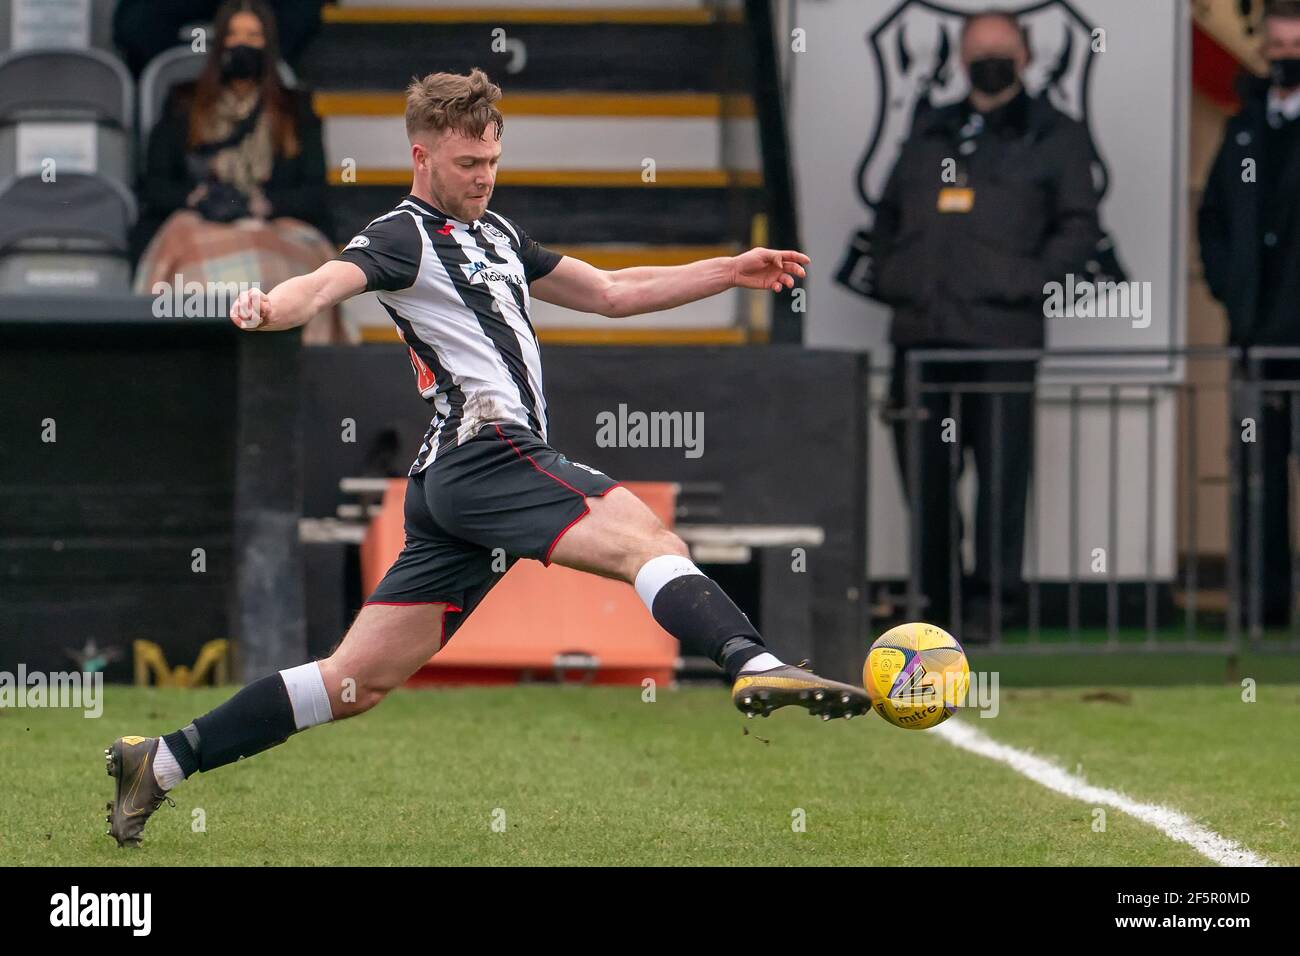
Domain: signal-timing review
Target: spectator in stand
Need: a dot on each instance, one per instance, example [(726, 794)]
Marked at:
[(235, 180)]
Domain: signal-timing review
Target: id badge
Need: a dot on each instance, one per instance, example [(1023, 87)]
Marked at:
[(959, 199)]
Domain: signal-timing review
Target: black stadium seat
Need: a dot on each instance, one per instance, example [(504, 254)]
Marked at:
[(46, 91), (68, 235)]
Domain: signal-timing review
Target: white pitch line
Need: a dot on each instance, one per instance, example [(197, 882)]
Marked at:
[(1171, 823)]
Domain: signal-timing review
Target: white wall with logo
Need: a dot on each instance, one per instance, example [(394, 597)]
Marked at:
[(843, 89)]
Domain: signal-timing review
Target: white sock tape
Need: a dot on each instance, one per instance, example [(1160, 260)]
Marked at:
[(657, 572), (306, 687)]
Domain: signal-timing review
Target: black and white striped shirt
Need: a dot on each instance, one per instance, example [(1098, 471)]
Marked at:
[(458, 293)]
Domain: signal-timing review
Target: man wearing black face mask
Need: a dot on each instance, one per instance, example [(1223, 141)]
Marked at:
[(990, 199), (1250, 250)]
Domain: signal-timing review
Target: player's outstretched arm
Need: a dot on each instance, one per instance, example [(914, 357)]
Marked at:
[(575, 284), (293, 302)]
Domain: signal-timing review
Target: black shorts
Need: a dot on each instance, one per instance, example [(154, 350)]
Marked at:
[(503, 495)]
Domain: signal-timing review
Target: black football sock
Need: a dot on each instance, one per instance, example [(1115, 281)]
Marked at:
[(691, 607), (183, 745), (265, 713), (257, 718)]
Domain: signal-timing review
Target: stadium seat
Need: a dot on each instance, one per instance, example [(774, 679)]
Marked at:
[(178, 65), (67, 235), (72, 106), (94, 30)]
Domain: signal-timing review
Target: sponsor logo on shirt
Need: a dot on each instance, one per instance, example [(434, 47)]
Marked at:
[(358, 242), (480, 272)]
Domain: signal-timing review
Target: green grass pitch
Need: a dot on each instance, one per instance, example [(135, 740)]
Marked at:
[(597, 776)]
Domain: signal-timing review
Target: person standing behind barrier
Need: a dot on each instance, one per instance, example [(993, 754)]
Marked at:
[(990, 199), (1250, 251)]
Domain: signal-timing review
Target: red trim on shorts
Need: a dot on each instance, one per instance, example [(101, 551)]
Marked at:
[(534, 464), (442, 621), (450, 607), (586, 511)]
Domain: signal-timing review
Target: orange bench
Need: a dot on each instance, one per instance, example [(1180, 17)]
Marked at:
[(537, 614)]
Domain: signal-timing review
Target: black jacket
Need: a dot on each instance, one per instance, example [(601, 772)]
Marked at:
[(297, 186), (976, 278), (1231, 230)]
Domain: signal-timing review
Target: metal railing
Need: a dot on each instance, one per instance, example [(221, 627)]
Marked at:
[(1271, 377), (1153, 587)]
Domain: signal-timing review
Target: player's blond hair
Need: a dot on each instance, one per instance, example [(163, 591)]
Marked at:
[(466, 103)]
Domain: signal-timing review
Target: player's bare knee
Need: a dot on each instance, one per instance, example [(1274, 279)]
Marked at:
[(358, 700), (350, 693), (370, 696), (656, 545), (671, 544)]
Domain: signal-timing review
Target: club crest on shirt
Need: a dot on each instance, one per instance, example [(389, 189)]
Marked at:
[(491, 230)]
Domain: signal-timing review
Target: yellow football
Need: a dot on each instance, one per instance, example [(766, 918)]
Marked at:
[(916, 675)]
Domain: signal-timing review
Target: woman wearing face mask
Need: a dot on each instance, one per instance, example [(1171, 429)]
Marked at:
[(236, 171)]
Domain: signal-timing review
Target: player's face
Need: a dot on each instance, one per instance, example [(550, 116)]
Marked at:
[(461, 171)]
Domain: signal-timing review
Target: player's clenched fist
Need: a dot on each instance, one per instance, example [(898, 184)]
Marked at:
[(251, 310)]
